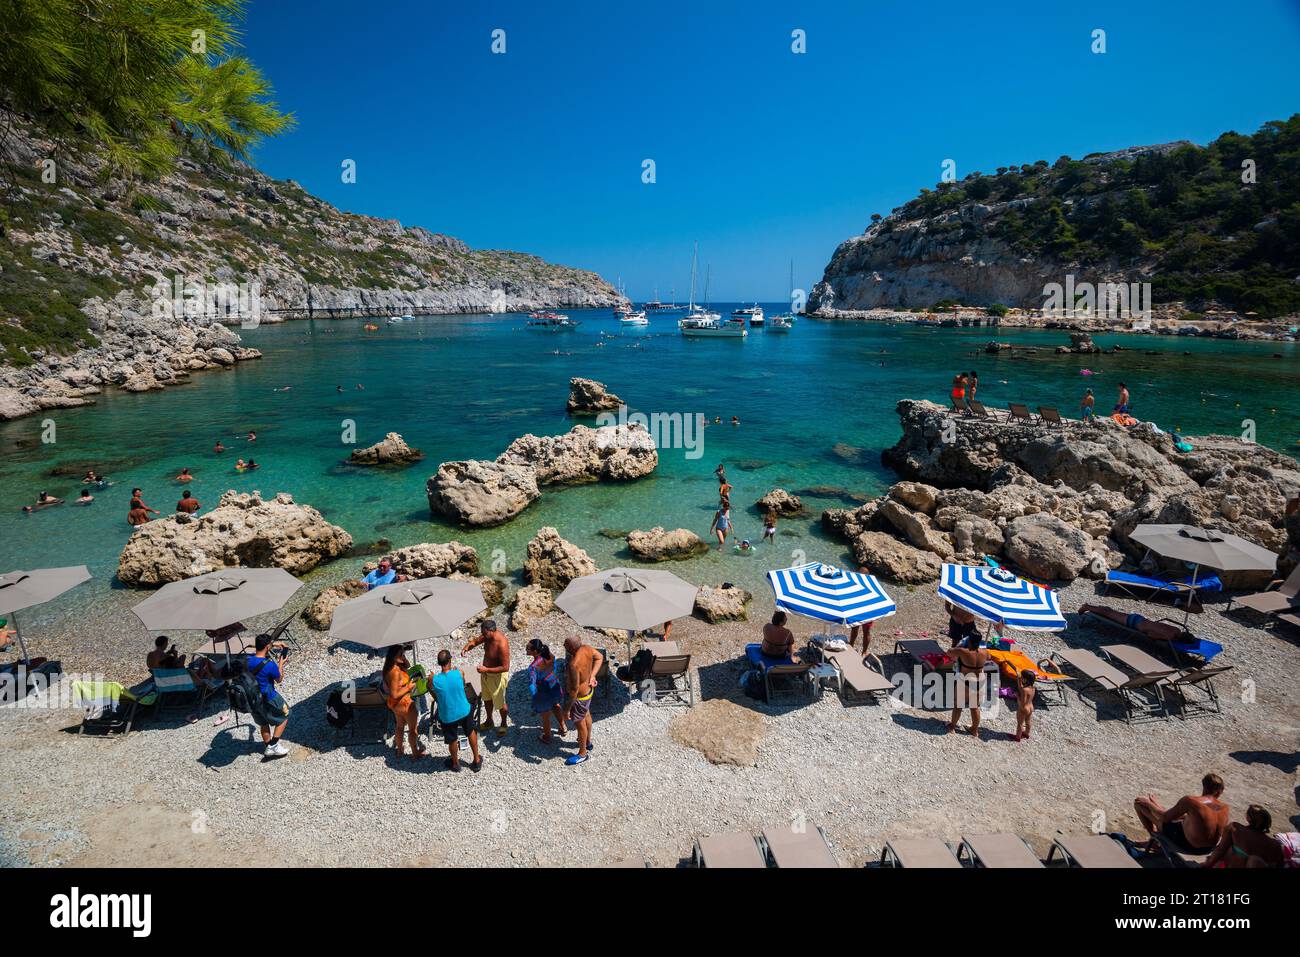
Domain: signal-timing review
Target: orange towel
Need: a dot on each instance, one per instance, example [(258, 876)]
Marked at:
[(1011, 663)]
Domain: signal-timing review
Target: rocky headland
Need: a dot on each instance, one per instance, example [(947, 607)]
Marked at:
[(1059, 502)]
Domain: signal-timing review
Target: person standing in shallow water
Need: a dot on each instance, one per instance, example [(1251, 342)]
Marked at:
[(721, 524)]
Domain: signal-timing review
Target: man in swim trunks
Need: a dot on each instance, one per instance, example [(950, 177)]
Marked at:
[(495, 672), (1194, 825), (1122, 404), (584, 663), (1159, 630), (188, 503), (1087, 408), (968, 670), (137, 502)]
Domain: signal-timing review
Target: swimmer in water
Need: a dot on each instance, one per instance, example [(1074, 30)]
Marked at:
[(85, 498), (218, 448), (240, 466), (43, 500), (185, 476), (252, 436)]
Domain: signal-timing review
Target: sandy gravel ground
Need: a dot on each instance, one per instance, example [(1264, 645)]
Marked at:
[(182, 793)]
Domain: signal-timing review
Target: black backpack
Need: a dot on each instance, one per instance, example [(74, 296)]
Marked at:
[(338, 711), (638, 668), (243, 691)]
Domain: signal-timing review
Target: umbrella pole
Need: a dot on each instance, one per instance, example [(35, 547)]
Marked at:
[(18, 633), (1191, 593)]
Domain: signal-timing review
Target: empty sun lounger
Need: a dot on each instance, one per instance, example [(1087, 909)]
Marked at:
[(1091, 850), (919, 852), (1019, 412), (1189, 646), (786, 848), (980, 410), (997, 851), (1106, 677), (1180, 589), (108, 708), (728, 850), (1201, 681), (857, 679), (1280, 596), (669, 681), (1050, 414)]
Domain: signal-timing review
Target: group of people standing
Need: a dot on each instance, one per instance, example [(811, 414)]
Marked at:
[(565, 696)]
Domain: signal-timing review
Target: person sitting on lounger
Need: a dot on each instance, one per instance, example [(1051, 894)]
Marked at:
[(1249, 844), (1159, 630), (778, 640), (164, 656), (1194, 825)]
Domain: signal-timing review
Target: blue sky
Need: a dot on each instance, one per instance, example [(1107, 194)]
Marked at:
[(761, 154)]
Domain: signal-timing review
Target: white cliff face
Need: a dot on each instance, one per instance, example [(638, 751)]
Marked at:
[(114, 250), (914, 264)]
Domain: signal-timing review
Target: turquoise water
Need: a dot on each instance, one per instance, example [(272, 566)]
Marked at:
[(815, 406)]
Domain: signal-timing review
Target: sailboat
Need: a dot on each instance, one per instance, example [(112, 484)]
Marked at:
[(701, 322), (785, 321)]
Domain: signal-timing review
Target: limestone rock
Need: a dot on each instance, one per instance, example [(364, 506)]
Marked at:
[(588, 397), (780, 501), (916, 526), (243, 530), (529, 604), (723, 731), (1047, 548), (610, 453), (722, 604), (391, 450), (658, 545), (554, 562), (884, 555), (320, 613), (480, 493)]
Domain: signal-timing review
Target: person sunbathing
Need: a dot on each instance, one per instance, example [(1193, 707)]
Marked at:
[(1194, 825), (1159, 630), (1249, 844)]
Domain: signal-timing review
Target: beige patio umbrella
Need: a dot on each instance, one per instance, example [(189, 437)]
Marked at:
[(407, 612), (631, 599), (24, 589), (213, 601), (1203, 546)]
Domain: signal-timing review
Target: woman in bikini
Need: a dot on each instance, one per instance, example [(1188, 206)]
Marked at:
[(1249, 844), (400, 688), (959, 392)]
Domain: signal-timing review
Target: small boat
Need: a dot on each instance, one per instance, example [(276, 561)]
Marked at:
[(551, 322), (407, 318), (752, 314), (634, 319), (780, 324), (394, 318), (696, 326)]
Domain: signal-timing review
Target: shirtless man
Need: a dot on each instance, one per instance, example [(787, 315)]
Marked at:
[(1122, 404), (495, 672), (969, 671), (584, 663), (1195, 824), (1159, 630)]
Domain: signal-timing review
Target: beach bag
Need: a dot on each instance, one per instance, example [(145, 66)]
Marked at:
[(751, 683), (338, 712), (1290, 841), (638, 668)]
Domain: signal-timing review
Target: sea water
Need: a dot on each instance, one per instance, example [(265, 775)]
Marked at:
[(815, 409)]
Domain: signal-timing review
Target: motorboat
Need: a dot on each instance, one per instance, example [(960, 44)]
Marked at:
[(780, 324), (550, 322), (634, 319), (751, 314)]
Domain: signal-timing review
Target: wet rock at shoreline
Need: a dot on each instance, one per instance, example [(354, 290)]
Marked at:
[(479, 493), (658, 545), (390, 450), (319, 615), (780, 501), (243, 530), (588, 397)]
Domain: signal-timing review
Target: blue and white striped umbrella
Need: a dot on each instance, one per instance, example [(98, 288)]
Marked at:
[(997, 595), (830, 594)]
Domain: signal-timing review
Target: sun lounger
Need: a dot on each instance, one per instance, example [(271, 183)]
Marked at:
[(1280, 596), (179, 686), (1050, 414), (108, 707), (1143, 586), (669, 681), (923, 650), (1138, 660), (981, 411), (1189, 646), (997, 851), (1019, 412), (1176, 856), (786, 848), (856, 678), (781, 669), (918, 852), (728, 850), (1289, 619), (1091, 851), (1200, 680), (1106, 677), (1011, 663)]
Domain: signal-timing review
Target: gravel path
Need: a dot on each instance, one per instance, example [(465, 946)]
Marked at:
[(179, 793)]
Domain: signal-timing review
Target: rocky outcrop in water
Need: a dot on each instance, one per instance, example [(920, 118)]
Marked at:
[(659, 545), (780, 501), (243, 530), (390, 450), (1058, 502), (588, 397), (477, 492)]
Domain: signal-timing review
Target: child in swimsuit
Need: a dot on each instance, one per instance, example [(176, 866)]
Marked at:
[(721, 524), (769, 527), (1024, 704)]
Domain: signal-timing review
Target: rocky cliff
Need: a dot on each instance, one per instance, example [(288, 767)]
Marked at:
[(105, 280), (1205, 226)]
